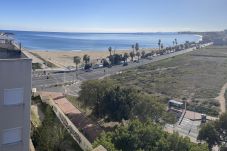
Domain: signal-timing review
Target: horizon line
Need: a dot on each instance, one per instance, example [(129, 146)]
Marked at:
[(110, 32)]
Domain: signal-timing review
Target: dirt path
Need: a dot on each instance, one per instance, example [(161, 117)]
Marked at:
[(221, 98)]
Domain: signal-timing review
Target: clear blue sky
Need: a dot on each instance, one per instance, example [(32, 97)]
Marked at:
[(113, 15)]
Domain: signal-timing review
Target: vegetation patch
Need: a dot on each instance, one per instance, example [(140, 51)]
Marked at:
[(193, 76), (136, 136), (51, 135), (112, 101)]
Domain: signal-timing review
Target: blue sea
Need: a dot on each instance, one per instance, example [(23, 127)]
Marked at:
[(65, 41)]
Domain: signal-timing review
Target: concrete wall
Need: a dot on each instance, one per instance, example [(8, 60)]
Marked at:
[(15, 73)]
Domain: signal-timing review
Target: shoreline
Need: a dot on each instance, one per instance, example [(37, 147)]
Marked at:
[(65, 58)]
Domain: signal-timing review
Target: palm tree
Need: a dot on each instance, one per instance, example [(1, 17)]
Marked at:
[(138, 55), (86, 58), (125, 56), (176, 41), (132, 55), (76, 60), (162, 46), (159, 43), (133, 47), (110, 50), (143, 54), (137, 47)]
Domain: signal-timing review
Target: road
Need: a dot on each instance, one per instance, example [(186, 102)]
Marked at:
[(55, 80)]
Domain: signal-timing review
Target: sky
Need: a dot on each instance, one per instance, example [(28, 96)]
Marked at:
[(114, 15)]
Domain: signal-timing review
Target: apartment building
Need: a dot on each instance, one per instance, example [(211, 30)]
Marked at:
[(15, 96)]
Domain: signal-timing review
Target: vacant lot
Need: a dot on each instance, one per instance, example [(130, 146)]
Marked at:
[(196, 77)]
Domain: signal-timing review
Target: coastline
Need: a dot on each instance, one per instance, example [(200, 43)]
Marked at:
[(65, 58)]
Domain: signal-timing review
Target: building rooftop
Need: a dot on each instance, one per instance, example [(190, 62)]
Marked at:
[(11, 54)]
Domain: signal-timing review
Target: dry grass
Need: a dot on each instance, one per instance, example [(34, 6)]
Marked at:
[(197, 77)]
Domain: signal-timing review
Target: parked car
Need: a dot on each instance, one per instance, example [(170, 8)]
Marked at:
[(96, 66), (89, 70)]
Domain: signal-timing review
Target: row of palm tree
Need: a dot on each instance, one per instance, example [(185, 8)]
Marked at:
[(161, 46), (77, 60)]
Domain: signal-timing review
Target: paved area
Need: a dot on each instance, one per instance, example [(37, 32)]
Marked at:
[(196, 116), (187, 128), (189, 125)]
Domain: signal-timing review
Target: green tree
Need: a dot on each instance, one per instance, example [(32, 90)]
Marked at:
[(92, 93), (146, 136), (132, 55), (209, 134), (105, 140), (149, 108), (51, 135), (118, 103), (86, 59), (76, 60), (221, 127)]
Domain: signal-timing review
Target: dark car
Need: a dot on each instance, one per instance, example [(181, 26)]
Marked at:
[(89, 70)]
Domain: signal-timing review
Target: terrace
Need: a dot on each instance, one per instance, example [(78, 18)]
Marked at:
[(11, 54)]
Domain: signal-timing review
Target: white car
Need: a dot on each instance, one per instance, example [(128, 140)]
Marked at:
[(96, 66)]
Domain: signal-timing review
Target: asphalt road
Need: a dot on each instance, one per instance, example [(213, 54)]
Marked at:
[(54, 81)]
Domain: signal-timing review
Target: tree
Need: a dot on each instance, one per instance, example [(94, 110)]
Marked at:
[(162, 46), (209, 134), (137, 47), (221, 127), (76, 60), (132, 55), (143, 54), (149, 108), (105, 140), (110, 50), (125, 57), (146, 136), (115, 59), (138, 54), (118, 103), (176, 41), (86, 59), (51, 135), (92, 92), (159, 43), (133, 48)]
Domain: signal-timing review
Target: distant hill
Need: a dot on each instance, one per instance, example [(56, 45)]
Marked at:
[(218, 37)]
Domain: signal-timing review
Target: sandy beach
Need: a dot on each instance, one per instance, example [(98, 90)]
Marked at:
[(65, 58)]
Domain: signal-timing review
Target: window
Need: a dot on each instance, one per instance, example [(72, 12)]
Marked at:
[(13, 135), (13, 96)]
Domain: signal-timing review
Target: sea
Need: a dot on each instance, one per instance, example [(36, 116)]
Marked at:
[(71, 41)]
